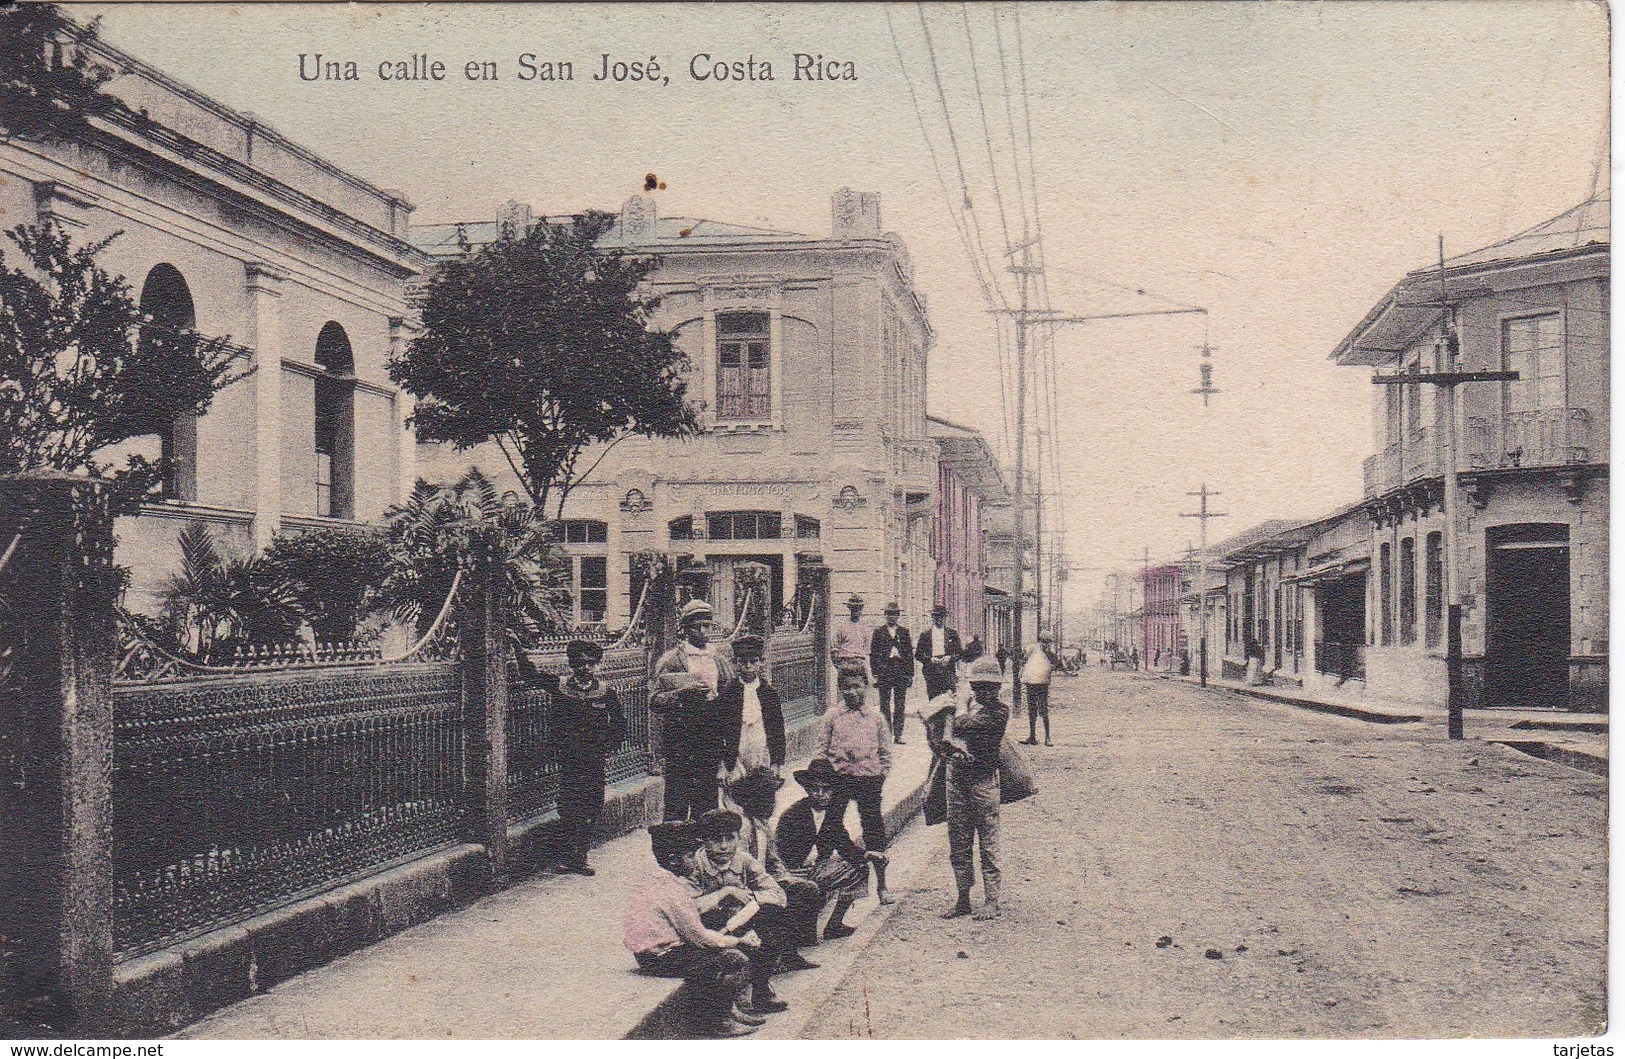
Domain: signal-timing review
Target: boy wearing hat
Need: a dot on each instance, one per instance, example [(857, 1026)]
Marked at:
[(849, 640), (735, 890), (816, 847), (973, 789), (663, 931), (688, 682), (939, 648), (586, 724), (752, 717), (891, 660), (856, 741)]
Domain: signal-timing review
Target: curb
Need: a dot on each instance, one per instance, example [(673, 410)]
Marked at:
[(670, 1019), (1314, 705), (1574, 759)]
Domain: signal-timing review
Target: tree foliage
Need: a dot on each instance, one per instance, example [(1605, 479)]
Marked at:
[(218, 603), (443, 529), (82, 369), (540, 342), (333, 575), (49, 84)]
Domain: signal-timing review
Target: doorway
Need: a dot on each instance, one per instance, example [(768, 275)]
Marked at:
[(1526, 648)]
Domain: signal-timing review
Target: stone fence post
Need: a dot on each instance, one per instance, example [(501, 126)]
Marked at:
[(482, 629), (57, 644)]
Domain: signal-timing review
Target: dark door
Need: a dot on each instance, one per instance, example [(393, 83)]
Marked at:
[(1526, 657)]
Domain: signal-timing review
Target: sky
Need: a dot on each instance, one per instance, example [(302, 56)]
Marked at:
[(1281, 165)]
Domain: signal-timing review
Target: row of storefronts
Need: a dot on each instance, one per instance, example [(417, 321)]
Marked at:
[(1357, 601)]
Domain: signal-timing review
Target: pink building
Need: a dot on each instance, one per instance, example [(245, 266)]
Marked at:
[(967, 476), (1162, 632)]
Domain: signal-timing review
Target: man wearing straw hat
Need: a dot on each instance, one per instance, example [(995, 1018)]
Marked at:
[(689, 681)]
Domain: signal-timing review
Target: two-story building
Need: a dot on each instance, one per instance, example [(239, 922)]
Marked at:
[(968, 480), (809, 356), (233, 229), (1532, 455)]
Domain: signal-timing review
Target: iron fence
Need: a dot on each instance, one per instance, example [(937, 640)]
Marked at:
[(532, 764), (234, 795), (795, 667)]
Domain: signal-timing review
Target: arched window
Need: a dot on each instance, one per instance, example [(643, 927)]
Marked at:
[(335, 424), (166, 302)]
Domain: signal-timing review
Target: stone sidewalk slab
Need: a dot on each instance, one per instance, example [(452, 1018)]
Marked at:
[(540, 960)]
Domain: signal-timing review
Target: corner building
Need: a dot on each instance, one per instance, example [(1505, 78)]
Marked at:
[(809, 362)]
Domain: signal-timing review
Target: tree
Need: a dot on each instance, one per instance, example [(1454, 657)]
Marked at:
[(541, 343), (82, 369), (333, 575), (443, 529), (217, 604), (49, 85)]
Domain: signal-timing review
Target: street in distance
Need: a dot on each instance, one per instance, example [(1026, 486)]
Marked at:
[(704, 67)]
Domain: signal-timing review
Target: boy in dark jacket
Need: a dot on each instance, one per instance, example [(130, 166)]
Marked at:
[(586, 726), (973, 789), (814, 844)]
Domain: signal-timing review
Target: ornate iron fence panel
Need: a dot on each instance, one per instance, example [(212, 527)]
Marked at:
[(532, 767), (793, 667), (235, 795)]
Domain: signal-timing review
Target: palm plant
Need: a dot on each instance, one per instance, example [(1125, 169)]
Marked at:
[(443, 529), (218, 603)]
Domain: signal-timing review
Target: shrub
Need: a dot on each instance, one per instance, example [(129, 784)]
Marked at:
[(334, 575)]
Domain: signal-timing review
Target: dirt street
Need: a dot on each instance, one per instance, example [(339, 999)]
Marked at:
[(1200, 864)]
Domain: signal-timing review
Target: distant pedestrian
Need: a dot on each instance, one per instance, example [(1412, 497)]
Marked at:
[(586, 724), (685, 692), (973, 790), (938, 651), (663, 931), (1003, 656), (1036, 672), (856, 742), (891, 660)]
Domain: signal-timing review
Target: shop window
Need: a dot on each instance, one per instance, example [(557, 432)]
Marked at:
[(742, 525)]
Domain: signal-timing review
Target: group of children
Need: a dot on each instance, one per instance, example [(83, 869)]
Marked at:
[(737, 895)]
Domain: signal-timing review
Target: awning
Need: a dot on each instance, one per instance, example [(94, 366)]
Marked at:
[(1336, 570)]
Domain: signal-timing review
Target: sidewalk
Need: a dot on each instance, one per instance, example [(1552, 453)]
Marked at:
[(1579, 740), (477, 973)]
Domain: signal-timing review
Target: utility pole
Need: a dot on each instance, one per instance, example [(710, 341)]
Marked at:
[(1201, 586), (1024, 317), (1038, 539), (1445, 376)]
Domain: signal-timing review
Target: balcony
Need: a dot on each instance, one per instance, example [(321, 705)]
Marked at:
[(1400, 464), (913, 468), (1542, 437)]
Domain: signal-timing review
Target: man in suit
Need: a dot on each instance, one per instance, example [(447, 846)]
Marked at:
[(891, 660), (814, 845), (938, 650)]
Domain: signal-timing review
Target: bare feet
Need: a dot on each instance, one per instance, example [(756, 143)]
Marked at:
[(989, 910), (885, 897), (960, 909)]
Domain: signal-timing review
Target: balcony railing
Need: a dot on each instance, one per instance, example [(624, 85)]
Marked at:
[(1546, 437), (1542, 437)]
